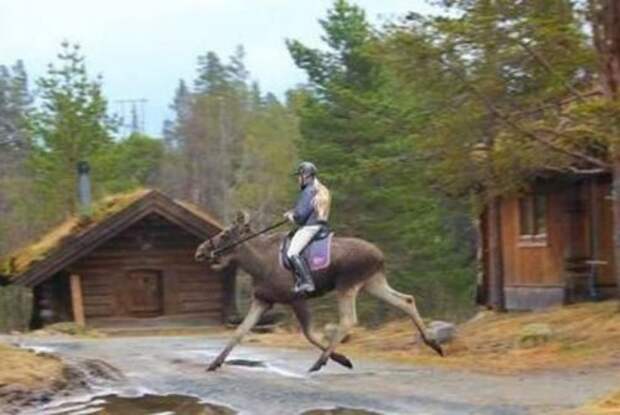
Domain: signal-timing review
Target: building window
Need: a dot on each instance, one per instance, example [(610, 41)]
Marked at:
[(533, 218)]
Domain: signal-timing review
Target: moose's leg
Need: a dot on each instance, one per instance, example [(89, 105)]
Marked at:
[(347, 320), (379, 287), (257, 308), (300, 308)]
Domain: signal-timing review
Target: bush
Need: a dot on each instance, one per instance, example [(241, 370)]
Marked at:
[(16, 303)]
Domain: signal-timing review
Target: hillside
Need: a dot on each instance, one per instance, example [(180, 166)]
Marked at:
[(584, 335)]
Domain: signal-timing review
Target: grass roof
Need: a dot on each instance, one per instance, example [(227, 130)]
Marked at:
[(22, 259), (199, 212)]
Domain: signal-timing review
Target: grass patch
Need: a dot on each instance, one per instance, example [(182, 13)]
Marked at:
[(27, 369), (70, 329), (609, 405)]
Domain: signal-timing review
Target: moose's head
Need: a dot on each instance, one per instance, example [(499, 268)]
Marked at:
[(211, 249)]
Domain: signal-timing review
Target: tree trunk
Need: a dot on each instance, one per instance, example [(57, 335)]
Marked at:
[(496, 269), (605, 17), (616, 221)]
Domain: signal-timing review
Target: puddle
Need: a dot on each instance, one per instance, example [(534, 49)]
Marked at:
[(142, 405), (340, 411), (245, 362)]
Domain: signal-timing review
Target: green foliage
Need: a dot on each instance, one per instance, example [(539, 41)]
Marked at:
[(129, 164), (15, 308), (40, 148), (70, 125), (268, 155), (486, 74), (359, 128), (15, 105), (229, 147)]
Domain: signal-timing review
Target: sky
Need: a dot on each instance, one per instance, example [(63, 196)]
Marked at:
[(143, 47)]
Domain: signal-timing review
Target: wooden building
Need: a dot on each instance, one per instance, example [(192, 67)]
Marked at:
[(131, 260), (553, 245)]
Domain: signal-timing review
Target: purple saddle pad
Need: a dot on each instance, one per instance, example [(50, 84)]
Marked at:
[(317, 254)]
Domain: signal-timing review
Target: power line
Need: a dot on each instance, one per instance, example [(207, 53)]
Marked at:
[(132, 115)]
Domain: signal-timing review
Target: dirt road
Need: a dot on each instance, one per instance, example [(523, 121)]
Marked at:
[(274, 381)]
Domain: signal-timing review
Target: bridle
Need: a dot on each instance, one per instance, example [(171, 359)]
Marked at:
[(215, 252)]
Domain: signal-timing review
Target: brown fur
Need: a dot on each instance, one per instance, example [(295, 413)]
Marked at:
[(355, 265)]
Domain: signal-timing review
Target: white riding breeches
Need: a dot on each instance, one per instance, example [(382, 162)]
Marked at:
[(301, 239)]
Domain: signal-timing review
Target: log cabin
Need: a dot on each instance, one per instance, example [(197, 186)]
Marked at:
[(552, 245), (129, 262)]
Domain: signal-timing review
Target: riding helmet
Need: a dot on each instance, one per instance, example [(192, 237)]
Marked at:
[(306, 169)]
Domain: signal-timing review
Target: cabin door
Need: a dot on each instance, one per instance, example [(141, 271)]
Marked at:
[(145, 289)]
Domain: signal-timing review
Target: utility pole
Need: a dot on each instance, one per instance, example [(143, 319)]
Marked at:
[(132, 115)]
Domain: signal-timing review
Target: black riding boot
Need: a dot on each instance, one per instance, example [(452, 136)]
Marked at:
[(303, 278)]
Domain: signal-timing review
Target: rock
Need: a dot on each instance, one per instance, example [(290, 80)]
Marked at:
[(535, 334), (99, 369), (441, 331)]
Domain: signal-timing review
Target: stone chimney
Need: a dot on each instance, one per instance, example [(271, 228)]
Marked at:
[(84, 192)]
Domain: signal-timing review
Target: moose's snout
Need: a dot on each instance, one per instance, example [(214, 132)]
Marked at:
[(200, 255)]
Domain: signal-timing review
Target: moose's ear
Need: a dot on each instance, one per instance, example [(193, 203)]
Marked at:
[(242, 218)]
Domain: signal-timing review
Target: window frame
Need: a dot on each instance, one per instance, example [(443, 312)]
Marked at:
[(533, 221)]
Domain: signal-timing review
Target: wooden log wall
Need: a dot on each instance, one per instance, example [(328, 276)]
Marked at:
[(569, 230), (149, 270), (605, 227), (527, 264)]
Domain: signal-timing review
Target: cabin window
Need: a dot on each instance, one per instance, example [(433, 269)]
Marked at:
[(533, 218)]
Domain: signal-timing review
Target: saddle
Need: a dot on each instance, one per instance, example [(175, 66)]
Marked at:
[(317, 253)]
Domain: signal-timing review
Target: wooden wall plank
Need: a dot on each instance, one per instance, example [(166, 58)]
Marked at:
[(534, 265), (187, 286), (77, 300)]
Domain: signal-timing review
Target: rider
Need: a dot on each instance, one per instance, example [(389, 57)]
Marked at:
[(311, 213)]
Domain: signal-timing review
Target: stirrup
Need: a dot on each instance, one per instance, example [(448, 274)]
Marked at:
[(303, 277), (304, 287)]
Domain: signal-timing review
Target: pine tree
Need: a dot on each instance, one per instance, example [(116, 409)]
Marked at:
[(348, 116), (70, 125), (219, 143), (15, 105)]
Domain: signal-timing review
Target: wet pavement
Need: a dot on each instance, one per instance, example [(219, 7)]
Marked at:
[(166, 375)]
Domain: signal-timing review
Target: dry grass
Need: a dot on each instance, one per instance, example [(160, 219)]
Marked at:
[(27, 369), (585, 335), (20, 260), (609, 405)]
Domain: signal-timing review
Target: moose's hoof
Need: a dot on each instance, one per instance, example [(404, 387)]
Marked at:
[(435, 346), (318, 365), (341, 359), (214, 366)]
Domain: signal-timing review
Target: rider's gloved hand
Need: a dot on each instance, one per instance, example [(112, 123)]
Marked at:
[(289, 215)]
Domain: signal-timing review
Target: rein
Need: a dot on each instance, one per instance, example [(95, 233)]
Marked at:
[(219, 251)]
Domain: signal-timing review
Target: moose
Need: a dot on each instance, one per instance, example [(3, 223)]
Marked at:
[(355, 265)]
